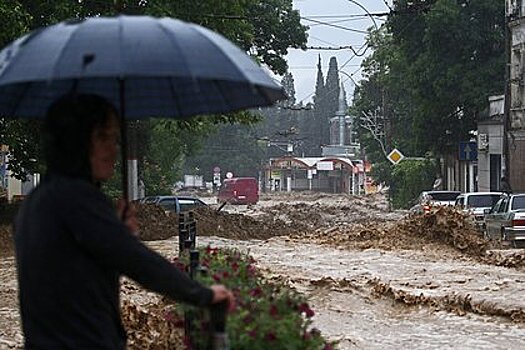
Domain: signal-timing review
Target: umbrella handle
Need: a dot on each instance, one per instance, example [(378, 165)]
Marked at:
[(123, 144)]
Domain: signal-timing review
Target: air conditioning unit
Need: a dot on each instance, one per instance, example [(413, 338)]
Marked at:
[(483, 142)]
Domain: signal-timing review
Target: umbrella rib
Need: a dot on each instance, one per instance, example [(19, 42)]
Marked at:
[(219, 49), (216, 83), (175, 45), (175, 96), (62, 49)]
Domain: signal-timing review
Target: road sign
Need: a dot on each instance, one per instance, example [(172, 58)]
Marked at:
[(468, 150), (229, 175), (395, 156)]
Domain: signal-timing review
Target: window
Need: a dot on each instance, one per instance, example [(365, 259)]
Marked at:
[(459, 202), (168, 204), (504, 205), (444, 196), (478, 201), (186, 204), (518, 202), (496, 206)]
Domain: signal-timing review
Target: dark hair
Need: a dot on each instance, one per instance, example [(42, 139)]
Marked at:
[(67, 130)]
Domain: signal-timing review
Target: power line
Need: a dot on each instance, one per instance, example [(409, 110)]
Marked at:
[(366, 10), (335, 26), (321, 40), (340, 21), (325, 67), (382, 14), (336, 49)]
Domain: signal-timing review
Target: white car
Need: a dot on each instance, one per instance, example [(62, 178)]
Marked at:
[(475, 204), (429, 199), (506, 220)]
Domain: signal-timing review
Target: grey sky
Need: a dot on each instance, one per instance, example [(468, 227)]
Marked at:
[(340, 13)]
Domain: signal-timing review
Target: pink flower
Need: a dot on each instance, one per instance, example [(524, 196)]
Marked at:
[(179, 265), (255, 292), (270, 336), (225, 274), (235, 266), (216, 277), (211, 251), (274, 312), (306, 309)]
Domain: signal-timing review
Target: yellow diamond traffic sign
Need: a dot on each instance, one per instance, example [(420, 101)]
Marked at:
[(395, 156)]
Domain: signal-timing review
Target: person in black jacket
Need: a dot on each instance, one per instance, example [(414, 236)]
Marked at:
[(71, 245)]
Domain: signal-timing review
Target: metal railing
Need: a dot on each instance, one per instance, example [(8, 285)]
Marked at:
[(215, 337)]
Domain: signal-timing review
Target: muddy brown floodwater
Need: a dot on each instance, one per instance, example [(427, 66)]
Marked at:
[(375, 279), (341, 284)]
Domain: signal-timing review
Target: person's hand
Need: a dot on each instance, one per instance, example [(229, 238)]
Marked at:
[(127, 212), (221, 293)]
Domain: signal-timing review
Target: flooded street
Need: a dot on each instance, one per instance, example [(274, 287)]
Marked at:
[(375, 279), (340, 286)]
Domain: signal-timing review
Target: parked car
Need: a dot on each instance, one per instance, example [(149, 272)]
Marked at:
[(506, 220), (429, 199), (239, 190), (475, 204), (177, 204)]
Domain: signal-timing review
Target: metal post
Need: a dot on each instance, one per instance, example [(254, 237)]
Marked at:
[(182, 232), (218, 337), (507, 103), (194, 263)]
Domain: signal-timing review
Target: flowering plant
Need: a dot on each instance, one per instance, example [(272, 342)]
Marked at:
[(268, 315)]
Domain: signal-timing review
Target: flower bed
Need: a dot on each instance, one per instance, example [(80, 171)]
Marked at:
[(267, 315)]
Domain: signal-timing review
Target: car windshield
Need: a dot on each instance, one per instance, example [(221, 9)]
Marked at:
[(482, 200), (168, 203), (443, 196), (188, 204), (518, 202)]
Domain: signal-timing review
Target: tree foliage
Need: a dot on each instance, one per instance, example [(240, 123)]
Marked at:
[(265, 29), (435, 62), (409, 179)]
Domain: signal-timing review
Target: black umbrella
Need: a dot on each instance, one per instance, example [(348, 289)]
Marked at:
[(147, 67)]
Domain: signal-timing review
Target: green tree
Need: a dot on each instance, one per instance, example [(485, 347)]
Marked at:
[(433, 66), (409, 179), (232, 148), (265, 29), (454, 59), (332, 91)]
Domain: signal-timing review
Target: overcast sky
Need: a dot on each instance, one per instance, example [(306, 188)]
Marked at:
[(343, 17)]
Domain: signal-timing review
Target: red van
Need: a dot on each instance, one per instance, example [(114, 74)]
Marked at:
[(239, 190)]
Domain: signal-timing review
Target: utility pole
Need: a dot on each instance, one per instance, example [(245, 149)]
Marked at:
[(506, 171)]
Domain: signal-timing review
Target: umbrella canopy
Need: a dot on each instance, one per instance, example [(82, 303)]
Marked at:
[(155, 67)]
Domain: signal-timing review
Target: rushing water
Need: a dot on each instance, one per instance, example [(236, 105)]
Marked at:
[(347, 311)]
